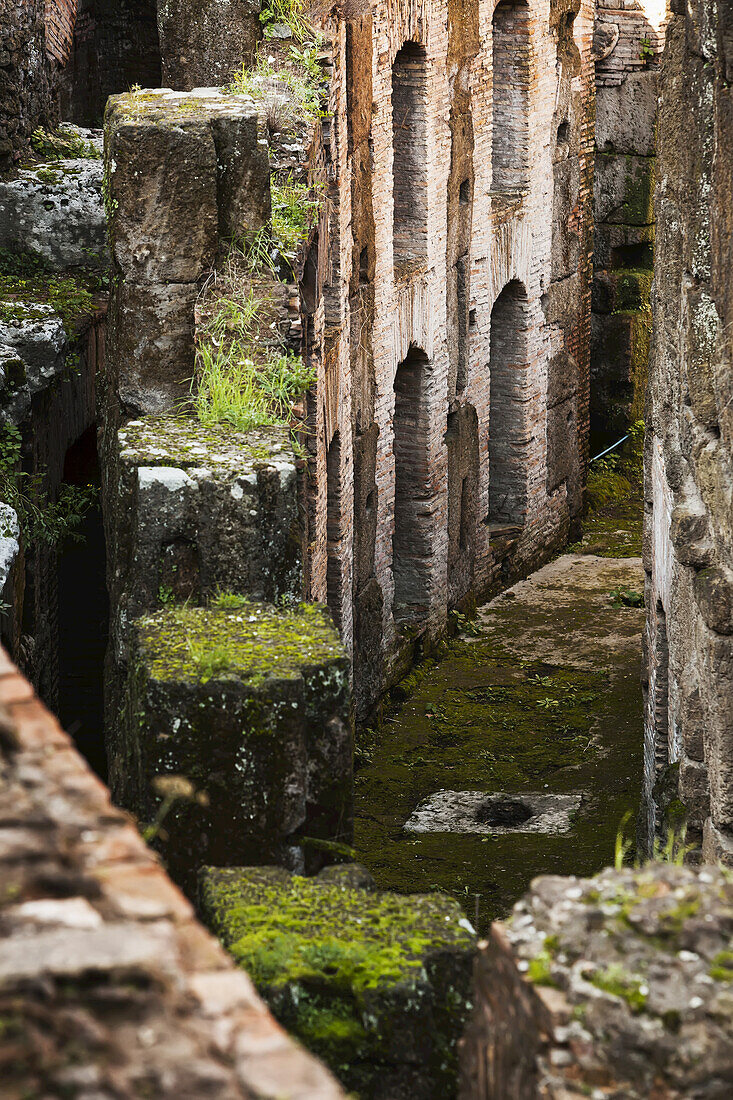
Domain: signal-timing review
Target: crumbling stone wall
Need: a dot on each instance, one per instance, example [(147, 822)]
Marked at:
[(617, 985), (688, 540), (627, 44), (25, 77)]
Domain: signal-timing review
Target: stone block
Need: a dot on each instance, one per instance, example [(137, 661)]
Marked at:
[(717, 845), (626, 115), (202, 46), (694, 791), (240, 718), (378, 985), (630, 246), (624, 189), (618, 984), (56, 211), (193, 511), (621, 289), (150, 351), (178, 167), (713, 589)]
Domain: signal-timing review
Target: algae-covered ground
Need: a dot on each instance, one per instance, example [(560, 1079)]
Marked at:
[(546, 698)]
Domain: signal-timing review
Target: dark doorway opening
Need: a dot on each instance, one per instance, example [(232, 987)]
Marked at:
[(83, 615)]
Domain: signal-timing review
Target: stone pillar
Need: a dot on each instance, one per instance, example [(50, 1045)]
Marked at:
[(184, 174), (248, 707)]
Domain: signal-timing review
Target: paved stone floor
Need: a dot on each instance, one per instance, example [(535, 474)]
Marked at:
[(539, 694)]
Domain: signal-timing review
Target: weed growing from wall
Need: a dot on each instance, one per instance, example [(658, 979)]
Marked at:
[(40, 519)]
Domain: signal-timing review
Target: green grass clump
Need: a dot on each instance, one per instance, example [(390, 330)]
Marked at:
[(40, 518), (721, 969), (231, 388), (616, 981), (291, 13)]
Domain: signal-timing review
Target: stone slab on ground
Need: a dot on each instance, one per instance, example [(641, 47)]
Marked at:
[(499, 812), (615, 986), (377, 984), (251, 707), (566, 614)]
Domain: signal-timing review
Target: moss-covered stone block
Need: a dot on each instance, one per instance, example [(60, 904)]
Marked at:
[(174, 177), (250, 704), (619, 366), (195, 510), (378, 985)]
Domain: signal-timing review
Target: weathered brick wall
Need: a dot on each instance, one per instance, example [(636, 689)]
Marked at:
[(431, 285), (107, 981), (60, 18), (688, 540)]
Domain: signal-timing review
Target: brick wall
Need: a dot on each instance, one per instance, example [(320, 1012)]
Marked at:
[(422, 239), (106, 978), (60, 17)]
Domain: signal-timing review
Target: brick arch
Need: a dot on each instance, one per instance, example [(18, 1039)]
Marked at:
[(415, 495), (410, 156), (511, 64), (509, 411)]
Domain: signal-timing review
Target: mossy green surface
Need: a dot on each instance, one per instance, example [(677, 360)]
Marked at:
[(26, 286), (254, 643), (183, 442), (479, 719), (365, 980)]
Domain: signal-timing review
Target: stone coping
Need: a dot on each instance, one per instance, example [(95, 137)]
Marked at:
[(108, 982)]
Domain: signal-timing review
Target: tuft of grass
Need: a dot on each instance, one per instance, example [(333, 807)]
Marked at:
[(231, 388), (210, 660), (294, 92), (290, 13), (228, 601)]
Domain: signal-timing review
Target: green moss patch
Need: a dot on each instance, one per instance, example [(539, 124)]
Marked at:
[(253, 643), (183, 442), (26, 284), (365, 980)]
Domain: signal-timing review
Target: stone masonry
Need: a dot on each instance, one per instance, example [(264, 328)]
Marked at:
[(627, 45), (689, 447)]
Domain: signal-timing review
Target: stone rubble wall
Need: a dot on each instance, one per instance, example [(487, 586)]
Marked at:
[(618, 985), (107, 982), (688, 538), (25, 77)]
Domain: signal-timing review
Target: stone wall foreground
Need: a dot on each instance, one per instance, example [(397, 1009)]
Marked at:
[(108, 984), (615, 986), (688, 540)]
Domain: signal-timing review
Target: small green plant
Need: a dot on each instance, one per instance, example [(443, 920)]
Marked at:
[(289, 13), (210, 660), (39, 518), (623, 845), (228, 601), (293, 94), (674, 848), (165, 595), (646, 50), (62, 145), (625, 597)]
